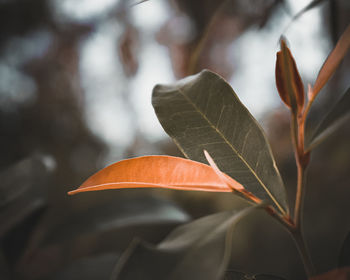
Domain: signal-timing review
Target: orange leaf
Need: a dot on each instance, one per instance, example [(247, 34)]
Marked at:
[(332, 62), (289, 84), (156, 172)]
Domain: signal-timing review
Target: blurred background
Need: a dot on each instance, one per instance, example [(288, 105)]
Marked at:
[(76, 79)]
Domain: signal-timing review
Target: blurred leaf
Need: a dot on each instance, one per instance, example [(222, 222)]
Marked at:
[(22, 208), (332, 62), (127, 47), (22, 176), (237, 275), (139, 2), (311, 5), (267, 277), (16, 239), (97, 230), (336, 274), (199, 250), (202, 112), (344, 257), (289, 84), (155, 172), (22, 191), (338, 116), (99, 267), (4, 268)]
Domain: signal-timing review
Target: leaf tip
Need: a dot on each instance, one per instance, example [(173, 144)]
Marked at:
[(230, 182), (310, 94), (283, 39), (73, 192), (211, 161)]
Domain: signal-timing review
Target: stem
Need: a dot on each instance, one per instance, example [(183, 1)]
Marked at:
[(302, 161), (299, 195), (303, 251)]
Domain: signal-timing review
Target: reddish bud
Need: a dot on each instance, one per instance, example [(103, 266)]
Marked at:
[(289, 84)]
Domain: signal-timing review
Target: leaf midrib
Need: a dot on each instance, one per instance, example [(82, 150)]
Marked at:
[(234, 150)]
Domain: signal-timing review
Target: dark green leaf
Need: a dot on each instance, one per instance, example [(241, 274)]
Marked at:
[(344, 257), (19, 210), (22, 191), (100, 229), (237, 275), (202, 112), (199, 250), (21, 177), (4, 268), (99, 267), (338, 116)]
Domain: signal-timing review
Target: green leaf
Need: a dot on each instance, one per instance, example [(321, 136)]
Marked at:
[(339, 115), (202, 112), (98, 229), (92, 268), (198, 250), (24, 176), (344, 257), (23, 192)]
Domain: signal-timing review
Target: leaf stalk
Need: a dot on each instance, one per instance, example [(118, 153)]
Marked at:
[(302, 158)]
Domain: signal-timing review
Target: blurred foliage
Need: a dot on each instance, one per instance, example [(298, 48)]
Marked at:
[(46, 146)]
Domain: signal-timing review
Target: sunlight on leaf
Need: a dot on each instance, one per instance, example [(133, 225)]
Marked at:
[(156, 172)]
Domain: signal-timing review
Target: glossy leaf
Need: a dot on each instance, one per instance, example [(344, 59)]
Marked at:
[(155, 172), (289, 84), (203, 112), (339, 115), (344, 257), (198, 250), (332, 62)]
